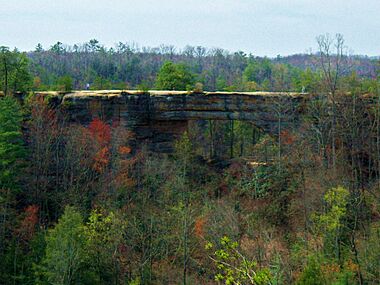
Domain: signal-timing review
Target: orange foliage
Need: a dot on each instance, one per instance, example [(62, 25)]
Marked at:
[(287, 138), (351, 266), (100, 131), (125, 150), (124, 178), (101, 159), (199, 227), (330, 269), (102, 134)]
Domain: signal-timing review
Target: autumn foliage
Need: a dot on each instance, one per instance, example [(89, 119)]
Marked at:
[(28, 224), (199, 227), (287, 138), (100, 131)]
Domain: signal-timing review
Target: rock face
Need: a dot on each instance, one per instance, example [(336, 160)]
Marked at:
[(157, 118)]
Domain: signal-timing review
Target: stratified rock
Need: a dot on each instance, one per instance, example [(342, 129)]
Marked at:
[(157, 118)]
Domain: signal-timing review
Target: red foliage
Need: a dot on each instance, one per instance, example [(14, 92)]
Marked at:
[(100, 131), (28, 224)]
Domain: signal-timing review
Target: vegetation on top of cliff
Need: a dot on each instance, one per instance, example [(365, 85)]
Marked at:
[(127, 67)]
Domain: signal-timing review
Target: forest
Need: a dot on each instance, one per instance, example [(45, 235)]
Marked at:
[(230, 205), (127, 66)]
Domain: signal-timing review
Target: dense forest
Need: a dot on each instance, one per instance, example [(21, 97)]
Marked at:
[(127, 66), (231, 205)]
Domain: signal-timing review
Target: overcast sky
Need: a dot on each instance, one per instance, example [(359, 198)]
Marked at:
[(260, 27)]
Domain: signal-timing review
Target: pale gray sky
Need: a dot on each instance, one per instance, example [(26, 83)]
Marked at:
[(261, 27)]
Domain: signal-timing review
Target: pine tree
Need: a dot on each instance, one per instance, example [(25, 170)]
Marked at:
[(11, 144)]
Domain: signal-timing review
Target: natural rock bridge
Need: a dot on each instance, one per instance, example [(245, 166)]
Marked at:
[(158, 117)]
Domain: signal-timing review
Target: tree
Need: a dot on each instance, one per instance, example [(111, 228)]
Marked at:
[(65, 83), (20, 78), (332, 264), (12, 152), (330, 223), (14, 71), (57, 48), (312, 274), (100, 83), (332, 60), (233, 268), (259, 72), (105, 235), (333, 64), (6, 66), (11, 143), (184, 154), (309, 81), (174, 77), (44, 134), (39, 48), (93, 45), (65, 249)]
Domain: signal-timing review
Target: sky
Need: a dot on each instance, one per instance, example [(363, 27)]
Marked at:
[(260, 27)]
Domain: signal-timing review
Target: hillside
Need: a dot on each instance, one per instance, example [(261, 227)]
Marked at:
[(276, 184)]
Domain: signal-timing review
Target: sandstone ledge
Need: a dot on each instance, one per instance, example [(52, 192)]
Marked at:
[(119, 93)]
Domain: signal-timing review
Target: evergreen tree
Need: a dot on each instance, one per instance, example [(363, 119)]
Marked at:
[(11, 155), (11, 144), (14, 71)]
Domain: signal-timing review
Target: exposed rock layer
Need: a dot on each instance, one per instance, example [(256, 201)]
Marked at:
[(159, 117)]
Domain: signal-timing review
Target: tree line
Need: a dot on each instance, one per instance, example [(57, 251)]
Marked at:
[(126, 66)]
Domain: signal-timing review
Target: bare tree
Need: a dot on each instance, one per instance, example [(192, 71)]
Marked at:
[(333, 62), (332, 59)]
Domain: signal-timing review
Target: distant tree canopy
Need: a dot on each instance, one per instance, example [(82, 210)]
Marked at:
[(126, 66), (174, 77), (129, 66), (258, 71)]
